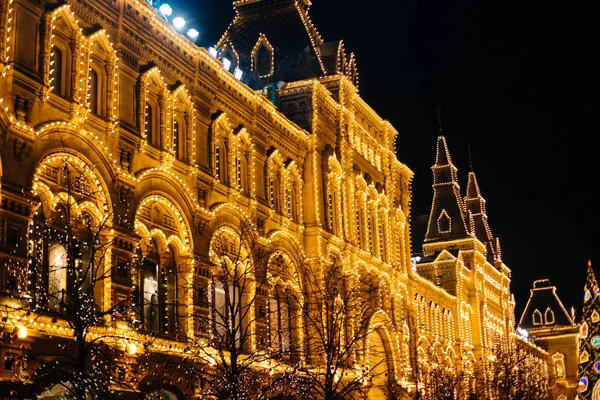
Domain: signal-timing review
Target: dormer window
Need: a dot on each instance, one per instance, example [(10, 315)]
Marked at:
[(263, 58), (549, 316), (537, 317), (444, 222)]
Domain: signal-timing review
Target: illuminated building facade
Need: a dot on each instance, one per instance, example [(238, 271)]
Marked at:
[(548, 323), (176, 144)]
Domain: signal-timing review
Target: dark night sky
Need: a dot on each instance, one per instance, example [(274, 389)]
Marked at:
[(518, 80)]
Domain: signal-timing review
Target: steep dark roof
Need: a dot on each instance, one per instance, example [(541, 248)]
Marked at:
[(298, 49), (542, 298), (447, 201)]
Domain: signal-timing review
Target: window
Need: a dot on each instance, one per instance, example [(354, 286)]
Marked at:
[(227, 313), (330, 212), (57, 275), (558, 360), (274, 193), (288, 202), (358, 229), (537, 317), (94, 92), (264, 66), (371, 233), (158, 293), (238, 172), (149, 124), (280, 327), (549, 316), (444, 222), (218, 164), (56, 71)]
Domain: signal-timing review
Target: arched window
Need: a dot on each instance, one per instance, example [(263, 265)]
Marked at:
[(94, 92), (537, 317), (56, 71)]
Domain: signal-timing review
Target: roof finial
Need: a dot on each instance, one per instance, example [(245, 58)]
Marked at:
[(470, 160), (439, 121)]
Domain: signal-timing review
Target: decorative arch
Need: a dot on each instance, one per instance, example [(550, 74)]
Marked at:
[(275, 175), (221, 133), (244, 162), (181, 126), (61, 53), (101, 76), (75, 207)]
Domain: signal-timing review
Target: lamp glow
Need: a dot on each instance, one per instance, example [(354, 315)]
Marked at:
[(226, 63), (132, 349), (193, 33), (238, 73), (165, 9), (22, 332), (178, 23)]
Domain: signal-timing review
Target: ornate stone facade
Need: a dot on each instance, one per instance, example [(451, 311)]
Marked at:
[(174, 147)]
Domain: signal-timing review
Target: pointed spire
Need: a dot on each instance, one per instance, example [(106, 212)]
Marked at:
[(470, 160), (475, 204), (439, 121)]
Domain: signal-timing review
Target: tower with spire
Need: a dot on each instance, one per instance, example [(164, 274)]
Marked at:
[(461, 256)]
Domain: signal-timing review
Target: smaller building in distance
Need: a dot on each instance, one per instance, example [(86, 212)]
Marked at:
[(548, 323)]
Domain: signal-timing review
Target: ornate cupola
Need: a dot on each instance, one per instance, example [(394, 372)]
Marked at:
[(447, 217)]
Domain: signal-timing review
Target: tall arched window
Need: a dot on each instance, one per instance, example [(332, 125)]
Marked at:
[(56, 71), (280, 322), (150, 288), (219, 163), (274, 192), (94, 93), (149, 124)]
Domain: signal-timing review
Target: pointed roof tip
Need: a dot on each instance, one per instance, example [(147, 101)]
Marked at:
[(439, 121), (470, 160), (443, 155)]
